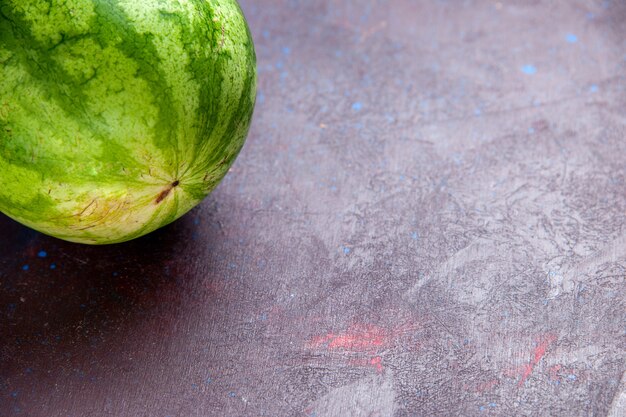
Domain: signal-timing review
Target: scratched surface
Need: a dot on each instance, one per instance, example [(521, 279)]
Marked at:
[(428, 219)]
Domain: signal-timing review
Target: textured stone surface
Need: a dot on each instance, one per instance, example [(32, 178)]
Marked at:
[(427, 220)]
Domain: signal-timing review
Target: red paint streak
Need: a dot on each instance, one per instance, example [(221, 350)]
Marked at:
[(364, 345), (539, 352), (358, 338)]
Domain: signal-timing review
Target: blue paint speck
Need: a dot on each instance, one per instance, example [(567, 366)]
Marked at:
[(263, 317), (53, 266), (208, 380), (25, 267), (594, 88), (42, 254), (286, 50), (492, 405), (529, 69), (414, 236), (571, 38), (266, 34), (531, 130), (478, 112), (29, 370), (357, 106), (571, 377), (14, 394), (115, 274), (482, 408), (346, 250), (231, 394)]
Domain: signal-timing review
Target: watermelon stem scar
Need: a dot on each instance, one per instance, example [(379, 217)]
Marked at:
[(166, 192)]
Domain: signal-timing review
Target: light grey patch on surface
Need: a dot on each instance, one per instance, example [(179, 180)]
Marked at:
[(371, 396), (618, 406)]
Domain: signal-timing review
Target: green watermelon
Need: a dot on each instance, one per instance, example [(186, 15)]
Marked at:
[(119, 116)]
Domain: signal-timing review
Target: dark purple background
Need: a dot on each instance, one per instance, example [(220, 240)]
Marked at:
[(427, 220)]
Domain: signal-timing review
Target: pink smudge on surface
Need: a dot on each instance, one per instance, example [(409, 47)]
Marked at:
[(377, 363), (538, 354), (363, 344), (358, 338)]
